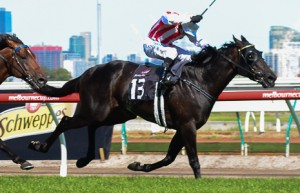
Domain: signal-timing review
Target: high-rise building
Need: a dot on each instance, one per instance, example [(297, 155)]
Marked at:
[(284, 55), (79, 58), (87, 44), (135, 58), (99, 32), (77, 67), (81, 45), (71, 56), (280, 34), (5, 21), (108, 58), (48, 56), (77, 45)]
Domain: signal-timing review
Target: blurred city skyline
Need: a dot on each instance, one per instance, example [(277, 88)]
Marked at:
[(126, 23)]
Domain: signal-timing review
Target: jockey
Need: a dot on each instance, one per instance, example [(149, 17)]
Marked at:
[(169, 28)]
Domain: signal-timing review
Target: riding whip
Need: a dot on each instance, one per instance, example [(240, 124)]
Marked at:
[(208, 7)]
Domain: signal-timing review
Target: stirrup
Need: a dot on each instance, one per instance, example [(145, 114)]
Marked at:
[(168, 80), (167, 77)]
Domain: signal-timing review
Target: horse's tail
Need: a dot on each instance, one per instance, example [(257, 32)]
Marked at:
[(69, 87)]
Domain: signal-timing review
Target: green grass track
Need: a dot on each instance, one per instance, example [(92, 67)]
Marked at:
[(211, 147), (90, 184)]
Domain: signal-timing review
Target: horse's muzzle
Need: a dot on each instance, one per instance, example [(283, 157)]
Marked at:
[(42, 81), (269, 81), (36, 84)]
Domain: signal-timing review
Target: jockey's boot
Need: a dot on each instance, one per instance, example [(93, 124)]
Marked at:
[(166, 77)]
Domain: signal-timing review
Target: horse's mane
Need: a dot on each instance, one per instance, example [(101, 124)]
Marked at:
[(210, 51), (5, 37), (204, 53), (228, 45)]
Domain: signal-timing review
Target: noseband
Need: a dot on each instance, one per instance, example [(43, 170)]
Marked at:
[(256, 74), (22, 69)]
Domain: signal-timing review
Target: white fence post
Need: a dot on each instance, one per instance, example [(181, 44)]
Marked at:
[(262, 122), (278, 123), (63, 145), (248, 114), (247, 121), (254, 122)]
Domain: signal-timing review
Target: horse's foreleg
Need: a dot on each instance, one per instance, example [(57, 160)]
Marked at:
[(189, 137), (174, 148), (65, 124), (24, 165), (84, 161)]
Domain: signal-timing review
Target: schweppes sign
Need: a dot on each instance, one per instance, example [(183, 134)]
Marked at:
[(20, 121)]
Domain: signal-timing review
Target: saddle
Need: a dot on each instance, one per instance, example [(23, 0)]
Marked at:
[(143, 83), (146, 86), (146, 78)]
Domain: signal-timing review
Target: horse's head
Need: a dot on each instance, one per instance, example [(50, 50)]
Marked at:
[(252, 65), (20, 62)]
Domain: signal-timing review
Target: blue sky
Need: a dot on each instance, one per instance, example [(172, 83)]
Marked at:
[(126, 23)]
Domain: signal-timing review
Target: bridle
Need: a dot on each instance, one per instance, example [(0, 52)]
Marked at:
[(21, 69), (257, 75)]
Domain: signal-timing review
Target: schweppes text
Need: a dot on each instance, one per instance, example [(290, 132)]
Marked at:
[(19, 122), (27, 122)]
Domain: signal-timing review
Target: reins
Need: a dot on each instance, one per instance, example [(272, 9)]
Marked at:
[(205, 93), (256, 75), (199, 89)]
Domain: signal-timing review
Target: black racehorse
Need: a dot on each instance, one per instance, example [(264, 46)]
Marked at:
[(17, 60), (103, 91)]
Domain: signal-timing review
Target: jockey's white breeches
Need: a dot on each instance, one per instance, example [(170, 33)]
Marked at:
[(154, 49)]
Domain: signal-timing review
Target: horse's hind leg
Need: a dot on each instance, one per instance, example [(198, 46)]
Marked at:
[(184, 137), (174, 148), (65, 124), (24, 165), (106, 134), (82, 162)]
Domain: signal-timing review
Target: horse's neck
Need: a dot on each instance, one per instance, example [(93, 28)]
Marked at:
[(222, 78), (216, 76)]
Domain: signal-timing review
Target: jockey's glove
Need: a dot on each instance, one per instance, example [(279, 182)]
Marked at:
[(201, 43), (196, 18)]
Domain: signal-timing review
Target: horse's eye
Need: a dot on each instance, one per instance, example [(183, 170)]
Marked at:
[(23, 56), (251, 56)]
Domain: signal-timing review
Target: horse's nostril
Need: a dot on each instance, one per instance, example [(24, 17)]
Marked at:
[(42, 81), (272, 78)]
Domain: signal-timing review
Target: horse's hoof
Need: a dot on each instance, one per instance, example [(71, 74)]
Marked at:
[(135, 166), (82, 162), (34, 145), (26, 166), (37, 146)]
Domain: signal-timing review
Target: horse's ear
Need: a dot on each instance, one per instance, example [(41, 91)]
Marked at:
[(236, 40), (244, 39)]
